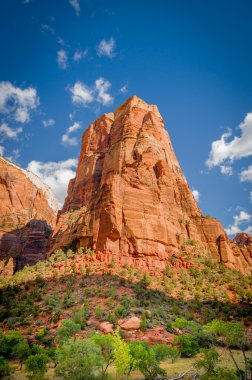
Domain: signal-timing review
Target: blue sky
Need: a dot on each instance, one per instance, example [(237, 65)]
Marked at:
[(65, 62)]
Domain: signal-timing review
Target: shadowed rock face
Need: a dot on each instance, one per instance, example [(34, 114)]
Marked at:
[(130, 200), (26, 215)]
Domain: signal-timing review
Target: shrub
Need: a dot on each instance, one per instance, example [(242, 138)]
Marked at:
[(35, 365), (79, 359), (5, 369), (99, 313), (147, 358), (187, 345), (21, 351), (68, 329)]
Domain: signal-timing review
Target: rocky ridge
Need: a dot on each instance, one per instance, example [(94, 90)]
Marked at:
[(28, 215), (130, 201)]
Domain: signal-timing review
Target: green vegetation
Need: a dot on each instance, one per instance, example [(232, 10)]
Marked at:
[(50, 314)]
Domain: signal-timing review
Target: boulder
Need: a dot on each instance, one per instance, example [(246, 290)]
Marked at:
[(131, 324), (106, 327)]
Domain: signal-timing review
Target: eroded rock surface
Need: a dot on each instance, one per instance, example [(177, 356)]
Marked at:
[(27, 216), (130, 200)]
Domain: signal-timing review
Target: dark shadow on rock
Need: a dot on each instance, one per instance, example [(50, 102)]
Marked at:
[(26, 245)]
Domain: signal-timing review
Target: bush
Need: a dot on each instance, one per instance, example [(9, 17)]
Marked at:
[(68, 329), (5, 369), (79, 359), (187, 345), (35, 365), (21, 351), (147, 358)]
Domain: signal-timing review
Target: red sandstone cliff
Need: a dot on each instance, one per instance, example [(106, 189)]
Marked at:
[(130, 200), (27, 215)]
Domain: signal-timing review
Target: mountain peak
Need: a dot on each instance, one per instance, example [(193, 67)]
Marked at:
[(130, 201)]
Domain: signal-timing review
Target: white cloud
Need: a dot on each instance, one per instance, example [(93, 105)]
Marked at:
[(79, 55), (8, 132), (242, 218), (17, 101), (196, 195), (62, 59), (14, 155), (228, 170), (81, 94), (250, 196), (76, 125), (102, 86), (106, 48), (246, 175), (76, 6), (2, 149), (55, 174), (124, 89), (67, 139), (48, 123), (84, 95), (239, 147)]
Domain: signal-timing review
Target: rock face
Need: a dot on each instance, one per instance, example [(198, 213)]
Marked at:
[(27, 216), (243, 239), (130, 200)]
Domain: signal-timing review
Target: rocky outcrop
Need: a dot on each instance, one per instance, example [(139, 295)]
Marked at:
[(130, 200), (242, 239), (27, 215)]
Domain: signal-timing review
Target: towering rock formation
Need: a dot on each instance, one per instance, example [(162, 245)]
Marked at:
[(130, 200), (27, 215)]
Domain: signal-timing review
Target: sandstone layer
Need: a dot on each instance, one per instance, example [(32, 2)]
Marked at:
[(130, 200), (27, 216)]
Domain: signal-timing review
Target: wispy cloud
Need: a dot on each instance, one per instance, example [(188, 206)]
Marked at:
[(15, 154), (98, 93), (55, 174), (224, 151), (76, 6), (2, 149), (47, 29), (124, 89), (79, 55), (48, 123), (106, 48), (62, 59), (67, 139), (246, 175), (8, 132), (17, 101), (238, 220)]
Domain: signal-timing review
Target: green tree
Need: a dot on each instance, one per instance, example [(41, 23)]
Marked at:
[(187, 345), (5, 369), (68, 329), (21, 351), (106, 344), (35, 365), (8, 342), (79, 360), (232, 334), (124, 361), (207, 364), (147, 358)]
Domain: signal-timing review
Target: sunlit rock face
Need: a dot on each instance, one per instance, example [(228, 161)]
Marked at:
[(130, 200), (27, 215)]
